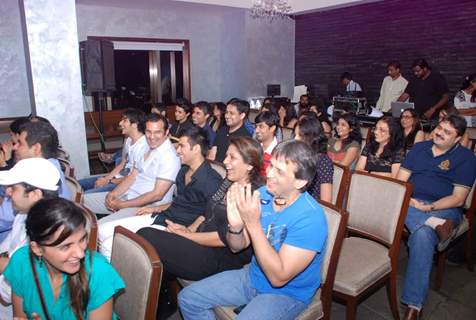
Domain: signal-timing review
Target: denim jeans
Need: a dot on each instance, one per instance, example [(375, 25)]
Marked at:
[(421, 245), (88, 185), (233, 288)]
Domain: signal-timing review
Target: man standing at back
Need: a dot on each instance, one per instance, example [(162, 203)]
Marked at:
[(428, 90), (442, 173), (235, 115), (266, 126), (392, 88)]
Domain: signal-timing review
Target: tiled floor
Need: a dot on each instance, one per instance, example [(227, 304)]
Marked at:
[(455, 301)]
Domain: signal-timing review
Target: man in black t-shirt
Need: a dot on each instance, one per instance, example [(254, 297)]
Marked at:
[(235, 115), (428, 90)]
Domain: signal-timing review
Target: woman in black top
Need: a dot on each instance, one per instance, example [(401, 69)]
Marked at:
[(411, 129), (384, 153)]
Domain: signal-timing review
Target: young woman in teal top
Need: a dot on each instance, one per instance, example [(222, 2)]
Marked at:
[(56, 277)]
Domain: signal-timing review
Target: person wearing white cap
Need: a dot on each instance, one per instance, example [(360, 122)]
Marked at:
[(29, 181)]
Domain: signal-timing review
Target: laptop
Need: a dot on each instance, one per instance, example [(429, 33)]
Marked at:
[(399, 107)]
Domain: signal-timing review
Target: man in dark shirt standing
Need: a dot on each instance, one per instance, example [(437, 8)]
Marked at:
[(428, 90), (235, 115)]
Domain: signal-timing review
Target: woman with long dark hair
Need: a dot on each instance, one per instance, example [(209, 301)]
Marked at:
[(344, 148), (287, 115), (465, 100), (411, 129), (55, 276), (384, 153), (309, 131), (218, 115)]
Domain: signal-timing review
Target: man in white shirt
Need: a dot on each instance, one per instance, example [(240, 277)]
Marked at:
[(29, 181), (151, 181), (392, 88), (349, 84)]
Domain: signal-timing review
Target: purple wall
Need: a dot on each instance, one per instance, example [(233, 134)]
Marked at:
[(362, 39)]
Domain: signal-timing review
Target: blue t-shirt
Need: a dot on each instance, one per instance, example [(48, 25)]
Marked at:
[(104, 283), (302, 225), (433, 177)]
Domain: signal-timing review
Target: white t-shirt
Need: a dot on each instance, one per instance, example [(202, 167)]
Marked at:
[(353, 86), (162, 163), (133, 153), (463, 101)]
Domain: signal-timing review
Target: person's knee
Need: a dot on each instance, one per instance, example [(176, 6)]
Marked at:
[(424, 237)]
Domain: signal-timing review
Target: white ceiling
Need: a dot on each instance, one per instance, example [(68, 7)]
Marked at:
[(298, 6)]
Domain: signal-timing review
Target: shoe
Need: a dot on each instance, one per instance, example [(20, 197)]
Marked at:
[(411, 314), (445, 232)]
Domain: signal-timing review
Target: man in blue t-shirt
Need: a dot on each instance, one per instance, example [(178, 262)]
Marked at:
[(442, 173), (287, 229)]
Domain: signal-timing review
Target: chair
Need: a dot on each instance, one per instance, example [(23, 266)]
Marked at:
[(75, 188), (320, 306), (63, 154), (139, 266), (92, 226), (377, 208), (218, 167), (340, 183), (464, 230), (66, 167)]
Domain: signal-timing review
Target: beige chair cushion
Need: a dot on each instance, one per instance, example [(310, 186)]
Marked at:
[(133, 264), (361, 263), (460, 229), (336, 181), (374, 206), (314, 310)]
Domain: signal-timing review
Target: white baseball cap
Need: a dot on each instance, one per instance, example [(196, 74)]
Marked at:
[(37, 172)]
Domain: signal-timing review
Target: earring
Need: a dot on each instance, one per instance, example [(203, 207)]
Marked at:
[(41, 261)]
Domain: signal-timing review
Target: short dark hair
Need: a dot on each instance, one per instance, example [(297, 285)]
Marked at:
[(154, 117), (396, 64), (204, 106), (310, 129), (457, 122), (420, 63), (242, 106), (136, 116), (197, 135), (346, 75), (268, 117), (47, 194), (301, 155), (17, 124), (184, 104), (43, 133)]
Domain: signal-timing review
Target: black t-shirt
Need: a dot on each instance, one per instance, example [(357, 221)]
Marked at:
[(222, 140), (426, 93), (178, 129)]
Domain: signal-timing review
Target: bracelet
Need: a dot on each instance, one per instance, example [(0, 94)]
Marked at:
[(235, 232)]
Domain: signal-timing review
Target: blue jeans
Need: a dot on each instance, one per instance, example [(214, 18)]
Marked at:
[(88, 185), (233, 288), (421, 245)]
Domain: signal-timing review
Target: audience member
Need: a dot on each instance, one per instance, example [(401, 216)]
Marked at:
[(464, 141), (7, 160), (235, 116), (196, 182), (349, 84), (55, 276), (344, 149), (200, 249), (132, 127), (27, 182), (310, 132), (183, 110), (200, 116), (384, 153), (287, 115), (442, 174), (465, 100), (411, 127), (287, 229), (218, 119), (303, 104), (266, 128), (150, 181), (318, 106), (392, 87), (427, 89)]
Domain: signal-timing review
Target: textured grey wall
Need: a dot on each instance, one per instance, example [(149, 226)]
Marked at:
[(14, 97), (55, 69), (231, 54)]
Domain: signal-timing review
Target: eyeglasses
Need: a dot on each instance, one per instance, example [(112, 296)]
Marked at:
[(381, 130), (407, 117)]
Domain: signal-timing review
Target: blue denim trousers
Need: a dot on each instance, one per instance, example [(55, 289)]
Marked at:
[(233, 288), (88, 185), (421, 244)]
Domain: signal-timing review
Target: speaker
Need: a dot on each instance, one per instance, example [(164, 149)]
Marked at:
[(97, 66)]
